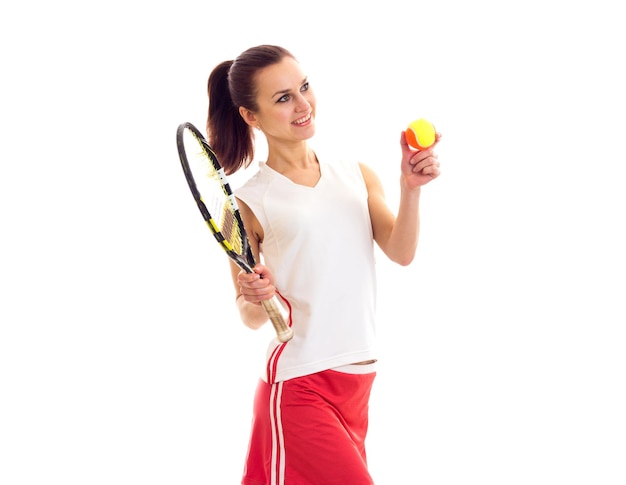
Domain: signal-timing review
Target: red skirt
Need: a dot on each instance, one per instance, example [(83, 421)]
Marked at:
[(310, 431)]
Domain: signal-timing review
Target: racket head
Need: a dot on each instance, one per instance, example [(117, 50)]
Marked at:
[(213, 195)]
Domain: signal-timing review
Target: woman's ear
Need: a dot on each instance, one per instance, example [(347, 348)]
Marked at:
[(249, 117)]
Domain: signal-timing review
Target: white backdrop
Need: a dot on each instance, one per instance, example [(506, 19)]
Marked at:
[(502, 356)]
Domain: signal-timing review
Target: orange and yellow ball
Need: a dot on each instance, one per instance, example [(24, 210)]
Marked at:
[(420, 134)]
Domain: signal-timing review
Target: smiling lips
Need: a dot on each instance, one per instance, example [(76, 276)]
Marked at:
[(302, 120)]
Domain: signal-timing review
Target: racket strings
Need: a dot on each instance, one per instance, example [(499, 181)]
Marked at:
[(231, 229), (210, 186), (220, 207)]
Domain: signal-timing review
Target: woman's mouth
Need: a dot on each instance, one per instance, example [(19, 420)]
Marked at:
[(303, 120)]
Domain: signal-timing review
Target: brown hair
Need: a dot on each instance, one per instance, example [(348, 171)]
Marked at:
[(231, 85)]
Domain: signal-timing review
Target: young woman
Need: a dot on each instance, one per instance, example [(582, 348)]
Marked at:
[(314, 222)]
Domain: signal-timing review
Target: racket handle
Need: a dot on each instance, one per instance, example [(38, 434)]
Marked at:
[(284, 332)]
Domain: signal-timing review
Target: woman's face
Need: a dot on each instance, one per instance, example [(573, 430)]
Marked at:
[(286, 103)]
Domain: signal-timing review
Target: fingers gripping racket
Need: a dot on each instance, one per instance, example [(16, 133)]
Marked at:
[(218, 206)]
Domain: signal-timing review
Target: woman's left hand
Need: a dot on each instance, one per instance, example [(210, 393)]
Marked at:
[(419, 166)]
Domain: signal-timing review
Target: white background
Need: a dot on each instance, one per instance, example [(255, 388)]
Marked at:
[(122, 360)]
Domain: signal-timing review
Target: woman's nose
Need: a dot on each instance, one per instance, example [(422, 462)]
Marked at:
[(302, 103)]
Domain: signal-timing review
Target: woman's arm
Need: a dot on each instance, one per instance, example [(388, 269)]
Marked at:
[(397, 235), (251, 288)]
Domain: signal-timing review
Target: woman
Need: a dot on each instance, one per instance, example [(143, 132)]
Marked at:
[(313, 221)]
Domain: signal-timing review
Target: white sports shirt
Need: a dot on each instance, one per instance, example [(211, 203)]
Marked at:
[(318, 243)]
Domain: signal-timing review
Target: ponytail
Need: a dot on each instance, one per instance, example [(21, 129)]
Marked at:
[(229, 135)]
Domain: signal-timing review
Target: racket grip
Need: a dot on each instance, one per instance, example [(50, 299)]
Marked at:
[(284, 332)]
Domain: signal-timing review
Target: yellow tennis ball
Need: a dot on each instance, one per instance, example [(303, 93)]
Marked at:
[(420, 134)]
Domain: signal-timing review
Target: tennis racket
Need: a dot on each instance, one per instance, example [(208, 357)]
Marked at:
[(218, 206)]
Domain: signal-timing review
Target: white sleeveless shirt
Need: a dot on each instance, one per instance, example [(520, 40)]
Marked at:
[(318, 243)]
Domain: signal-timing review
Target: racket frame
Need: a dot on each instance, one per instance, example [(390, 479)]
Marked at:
[(246, 260)]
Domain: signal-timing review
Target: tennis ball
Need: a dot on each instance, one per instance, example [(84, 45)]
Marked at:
[(420, 134)]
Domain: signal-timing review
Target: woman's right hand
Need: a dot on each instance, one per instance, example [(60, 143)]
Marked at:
[(257, 286)]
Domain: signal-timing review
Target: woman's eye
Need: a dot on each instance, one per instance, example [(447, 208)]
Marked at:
[(284, 98), (305, 87)]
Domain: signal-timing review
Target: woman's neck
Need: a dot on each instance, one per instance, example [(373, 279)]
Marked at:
[(299, 165), (284, 158)]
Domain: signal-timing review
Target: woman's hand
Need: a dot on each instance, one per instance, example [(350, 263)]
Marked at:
[(256, 286), (419, 166)]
